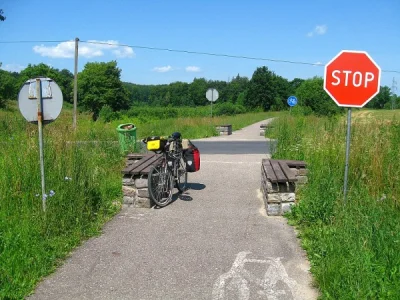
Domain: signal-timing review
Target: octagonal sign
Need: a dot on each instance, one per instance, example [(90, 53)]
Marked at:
[(352, 78)]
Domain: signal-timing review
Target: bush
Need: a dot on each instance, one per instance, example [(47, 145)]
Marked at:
[(107, 114), (228, 109)]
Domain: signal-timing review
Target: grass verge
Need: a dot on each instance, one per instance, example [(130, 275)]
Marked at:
[(353, 246)]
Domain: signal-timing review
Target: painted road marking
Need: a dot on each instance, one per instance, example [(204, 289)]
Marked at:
[(238, 283)]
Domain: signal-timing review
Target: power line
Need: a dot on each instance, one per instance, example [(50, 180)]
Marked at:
[(187, 52), (205, 53), (32, 42)]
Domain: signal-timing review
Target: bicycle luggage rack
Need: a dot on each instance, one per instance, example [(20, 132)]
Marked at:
[(134, 181), (279, 181)]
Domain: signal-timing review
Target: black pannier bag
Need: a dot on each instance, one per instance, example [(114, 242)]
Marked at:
[(192, 158)]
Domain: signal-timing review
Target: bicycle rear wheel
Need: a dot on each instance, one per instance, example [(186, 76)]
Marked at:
[(181, 176), (160, 181)]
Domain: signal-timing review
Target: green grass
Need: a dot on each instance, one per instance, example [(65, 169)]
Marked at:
[(353, 247), (33, 243)]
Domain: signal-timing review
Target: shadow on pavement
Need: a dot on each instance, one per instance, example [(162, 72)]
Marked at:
[(197, 186)]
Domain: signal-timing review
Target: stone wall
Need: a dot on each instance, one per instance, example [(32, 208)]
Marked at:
[(279, 197), (224, 129), (135, 191)]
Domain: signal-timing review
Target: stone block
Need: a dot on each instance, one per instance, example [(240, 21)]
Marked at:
[(295, 171), (129, 191), (287, 197), (141, 183), (142, 202), (144, 193), (274, 209), (274, 198), (128, 200), (302, 179), (303, 172), (286, 207), (272, 187), (127, 180)]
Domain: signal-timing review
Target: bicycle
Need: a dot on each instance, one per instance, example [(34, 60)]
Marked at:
[(171, 169)]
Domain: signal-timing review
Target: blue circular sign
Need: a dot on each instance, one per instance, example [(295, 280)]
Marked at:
[(292, 101)]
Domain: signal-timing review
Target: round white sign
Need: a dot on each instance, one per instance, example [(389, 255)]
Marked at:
[(212, 95), (52, 100)]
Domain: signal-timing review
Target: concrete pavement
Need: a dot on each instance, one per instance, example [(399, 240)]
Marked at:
[(213, 242)]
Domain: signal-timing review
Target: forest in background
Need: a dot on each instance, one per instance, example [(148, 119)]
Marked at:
[(101, 91)]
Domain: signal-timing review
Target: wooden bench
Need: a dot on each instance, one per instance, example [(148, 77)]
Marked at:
[(279, 182), (140, 164)]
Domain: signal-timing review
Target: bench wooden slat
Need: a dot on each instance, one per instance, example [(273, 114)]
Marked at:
[(135, 155), (146, 170), (269, 171), (278, 171), (288, 173), (138, 163), (136, 168)]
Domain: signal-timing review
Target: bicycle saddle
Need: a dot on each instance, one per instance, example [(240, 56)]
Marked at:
[(176, 135)]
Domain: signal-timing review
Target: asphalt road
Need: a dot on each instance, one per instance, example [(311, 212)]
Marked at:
[(213, 242), (233, 147)]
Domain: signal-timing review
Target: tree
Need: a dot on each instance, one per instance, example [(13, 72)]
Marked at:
[(99, 84), (197, 91), (8, 87), (383, 98), (312, 94), (63, 78), (2, 17), (294, 84), (266, 90)]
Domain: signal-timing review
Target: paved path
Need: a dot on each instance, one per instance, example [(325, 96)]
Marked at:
[(214, 242)]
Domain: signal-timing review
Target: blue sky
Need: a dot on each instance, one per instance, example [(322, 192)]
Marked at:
[(311, 31)]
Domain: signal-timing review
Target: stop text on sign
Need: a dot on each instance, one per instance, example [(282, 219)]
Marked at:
[(356, 79)]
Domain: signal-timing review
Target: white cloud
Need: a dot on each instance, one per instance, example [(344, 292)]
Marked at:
[(192, 69), (13, 67), (92, 49), (162, 69), (318, 30)]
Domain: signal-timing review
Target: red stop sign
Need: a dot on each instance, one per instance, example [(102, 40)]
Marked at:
[(352, 78)]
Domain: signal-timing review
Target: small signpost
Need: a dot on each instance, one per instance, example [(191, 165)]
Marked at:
[(44, 110), (291, 101), (212, 96), (352, 79)]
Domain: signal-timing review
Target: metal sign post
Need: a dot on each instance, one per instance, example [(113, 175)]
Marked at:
[(212, 96), (40, 127), (44, 110), (346, 170)]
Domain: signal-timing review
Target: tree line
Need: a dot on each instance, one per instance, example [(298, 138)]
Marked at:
[(100, 85)]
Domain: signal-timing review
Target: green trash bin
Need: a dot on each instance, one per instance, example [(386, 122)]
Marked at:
[(127, 137)]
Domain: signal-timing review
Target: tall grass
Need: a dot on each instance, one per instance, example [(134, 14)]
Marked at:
[(354, 246), (86, 186), (82, 169)]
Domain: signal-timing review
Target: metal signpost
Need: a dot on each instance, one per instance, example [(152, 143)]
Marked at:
[(352, 79), (212, 96), (291, 101), (44, 110)]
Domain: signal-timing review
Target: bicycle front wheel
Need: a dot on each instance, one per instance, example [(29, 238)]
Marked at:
[(160, 183)]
